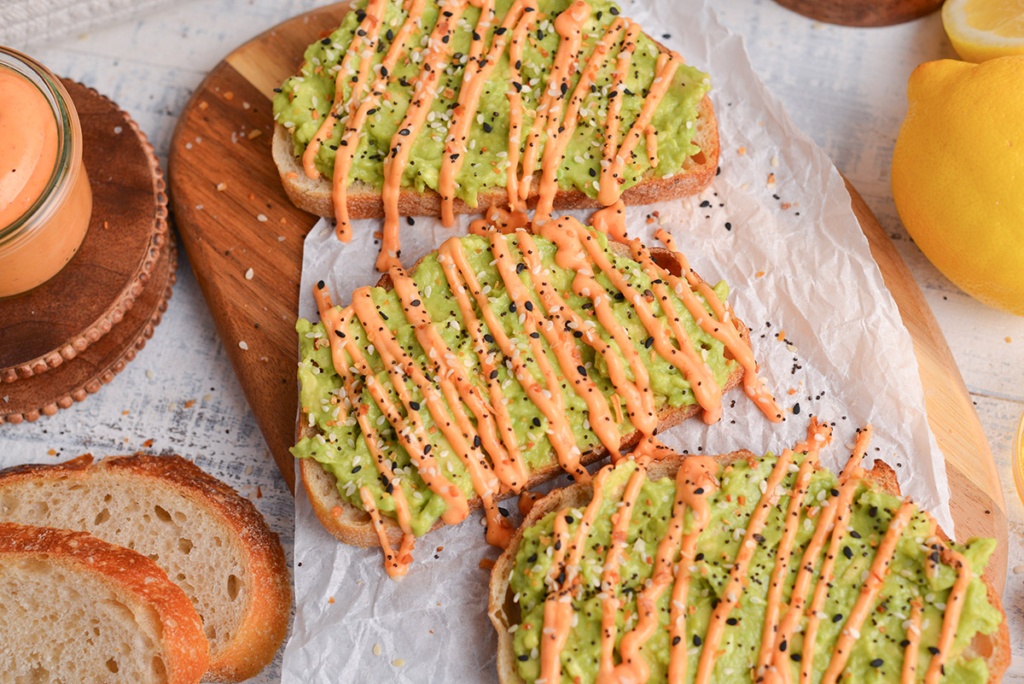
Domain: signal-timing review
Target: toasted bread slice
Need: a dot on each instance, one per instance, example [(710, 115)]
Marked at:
[(74, 608), (212, 542), (504, 612), (353, 526), (364, 201)]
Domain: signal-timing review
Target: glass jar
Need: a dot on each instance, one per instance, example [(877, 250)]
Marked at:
[(44, 215)]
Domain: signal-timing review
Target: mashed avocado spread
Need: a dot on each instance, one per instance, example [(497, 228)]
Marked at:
[(342, 448), (304, 100), (878, 652)]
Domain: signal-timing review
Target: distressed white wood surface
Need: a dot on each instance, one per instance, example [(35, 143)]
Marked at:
[(845, 87)]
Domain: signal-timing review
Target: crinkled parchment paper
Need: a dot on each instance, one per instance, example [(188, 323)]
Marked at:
[(800, 270)]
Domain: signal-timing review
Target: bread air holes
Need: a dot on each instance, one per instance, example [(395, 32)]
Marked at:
[(102, 517), (162, 514), (234, 586), (185, 545), (159, 670), (112, 666), (8, 504)]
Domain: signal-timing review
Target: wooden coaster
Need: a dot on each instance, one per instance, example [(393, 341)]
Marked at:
[(64, 340), (60, 319), (863, 13)]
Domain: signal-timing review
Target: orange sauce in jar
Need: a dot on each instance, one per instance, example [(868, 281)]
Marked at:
[(45, 198)]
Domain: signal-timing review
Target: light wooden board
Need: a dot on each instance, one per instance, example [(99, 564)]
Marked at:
[(249, 223)]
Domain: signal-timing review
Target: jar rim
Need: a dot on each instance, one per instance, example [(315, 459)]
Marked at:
[(64, 115)]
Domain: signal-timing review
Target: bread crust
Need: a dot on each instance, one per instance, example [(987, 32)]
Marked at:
[(364, 201), (130, 574), (995, 648), (353, 526), (265, 623)]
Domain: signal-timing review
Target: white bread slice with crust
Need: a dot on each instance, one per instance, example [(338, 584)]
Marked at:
[(74, 608), (352, 525), (364, 200), (503, 612), (212, 542)]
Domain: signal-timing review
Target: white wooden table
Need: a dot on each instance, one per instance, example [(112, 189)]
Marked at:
[(845, 87)]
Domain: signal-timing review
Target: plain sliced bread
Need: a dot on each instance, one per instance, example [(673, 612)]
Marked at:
[(75, 609), (210, 541)]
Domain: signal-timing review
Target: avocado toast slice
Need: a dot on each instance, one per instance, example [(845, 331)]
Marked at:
[(442, 107), (739, 568), (497, 363)]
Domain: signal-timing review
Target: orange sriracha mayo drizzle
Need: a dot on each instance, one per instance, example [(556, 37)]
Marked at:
[(694, 482), (610, 574), (515, 106), (438, 51), (395, 564), (566, 319), (350, 139), (547, 398), (460, 434), (559, 135), (608, 187), (738, 574), (849, 480), (515, 476), (716, 326), (458, 127), (558, 610), (611, 172), (908, 675), (578, 249), (651, 136), (665, 70), (868, 593), (526, 502), (475, 76), (611, 220), (569, 26), (368, 33), (449, 374), (696, 478), (565, 351), (411, 432), (954, 608), (798, 596), (637, 393), (818, 436), (336, 322)]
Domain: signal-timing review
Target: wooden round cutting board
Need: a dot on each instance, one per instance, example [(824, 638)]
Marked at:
[(233, 216), (65, 339)]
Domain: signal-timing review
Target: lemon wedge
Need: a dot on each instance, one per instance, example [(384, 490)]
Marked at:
[(985, 29)]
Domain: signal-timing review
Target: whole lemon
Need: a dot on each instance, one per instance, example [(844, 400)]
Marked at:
[(958, 174)]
